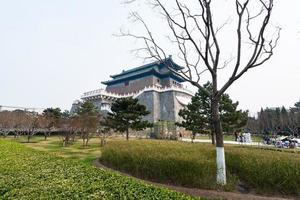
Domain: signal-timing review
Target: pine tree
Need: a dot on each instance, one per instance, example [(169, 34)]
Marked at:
[(127, 114), (197, 115)]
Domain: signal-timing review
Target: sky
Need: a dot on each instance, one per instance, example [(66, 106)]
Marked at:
[(53, 51)]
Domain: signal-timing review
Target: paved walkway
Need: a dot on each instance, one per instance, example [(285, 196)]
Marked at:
[(225, 142), (257, 144)]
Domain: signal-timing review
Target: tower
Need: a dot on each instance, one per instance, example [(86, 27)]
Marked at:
[(154, 85)]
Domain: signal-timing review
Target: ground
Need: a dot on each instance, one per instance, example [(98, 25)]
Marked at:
[(89, 154), (26, 173)]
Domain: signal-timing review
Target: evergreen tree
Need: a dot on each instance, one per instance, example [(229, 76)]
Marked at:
[(127, 114), (197, 115), (231, 117), (297, 105)]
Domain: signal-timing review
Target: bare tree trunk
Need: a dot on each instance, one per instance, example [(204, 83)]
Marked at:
[(83, 141), (73, 135), (193, 137), (220, 159), (64, 143), (127, 134), (87, 140), (102, 141), (28, 137), (45, 136)]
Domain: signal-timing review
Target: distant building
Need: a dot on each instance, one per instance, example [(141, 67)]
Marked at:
[(154, 85)]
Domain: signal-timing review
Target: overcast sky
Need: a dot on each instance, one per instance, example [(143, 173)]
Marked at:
[(52, 51)]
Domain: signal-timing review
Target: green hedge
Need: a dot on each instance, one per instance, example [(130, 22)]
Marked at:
[(29, 174), (193, 165), (177, 163), (267, 171)]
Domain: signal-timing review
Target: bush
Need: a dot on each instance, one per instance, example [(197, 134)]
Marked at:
[(193, 165), (267, 171), (29, 174), (177, 163)]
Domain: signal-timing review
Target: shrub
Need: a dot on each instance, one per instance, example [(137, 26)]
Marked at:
[(267, 171), (177, 163), (30, 174), (193, 165)]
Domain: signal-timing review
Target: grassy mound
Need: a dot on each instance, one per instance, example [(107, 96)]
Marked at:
[(193, 165), (30, 174)]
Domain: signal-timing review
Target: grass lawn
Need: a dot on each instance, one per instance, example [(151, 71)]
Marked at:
[(54, 145), (268, 171), (26, 173)]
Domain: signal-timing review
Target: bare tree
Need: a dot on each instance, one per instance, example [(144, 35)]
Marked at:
[(194, 33), (88, 120), (68, 127), (31, 124), (6, 122), (17, 119)]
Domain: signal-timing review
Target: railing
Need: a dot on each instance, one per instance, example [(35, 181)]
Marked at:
[(102, 92)]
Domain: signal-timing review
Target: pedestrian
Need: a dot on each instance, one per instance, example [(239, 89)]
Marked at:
[(236, 136)]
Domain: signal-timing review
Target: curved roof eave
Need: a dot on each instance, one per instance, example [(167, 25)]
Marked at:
[(147, 73), (150, 65)]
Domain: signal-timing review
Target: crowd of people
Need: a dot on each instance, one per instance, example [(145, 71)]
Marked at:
[(281, 141)]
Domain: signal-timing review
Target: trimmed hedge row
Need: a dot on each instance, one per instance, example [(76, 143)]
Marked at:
[(193, 165), (29, 174)]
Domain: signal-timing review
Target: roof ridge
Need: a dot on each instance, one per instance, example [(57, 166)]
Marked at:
[(135, 69)]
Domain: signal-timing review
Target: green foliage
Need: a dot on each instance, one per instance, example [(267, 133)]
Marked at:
[(178, 163), (30, 174), (87, 109), (88, 117), (127, 114), (193, 165), (197, 115), (231, 118), (52, 113), (267, 171), (297, 104), (66, 114)]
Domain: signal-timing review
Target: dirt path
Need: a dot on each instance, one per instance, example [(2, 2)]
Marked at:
[(198, 192)]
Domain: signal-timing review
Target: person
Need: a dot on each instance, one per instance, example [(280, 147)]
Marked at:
[(236, 136)]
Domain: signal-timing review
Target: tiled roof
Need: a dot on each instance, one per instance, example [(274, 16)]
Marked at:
[(146, 67), (142, 74)]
